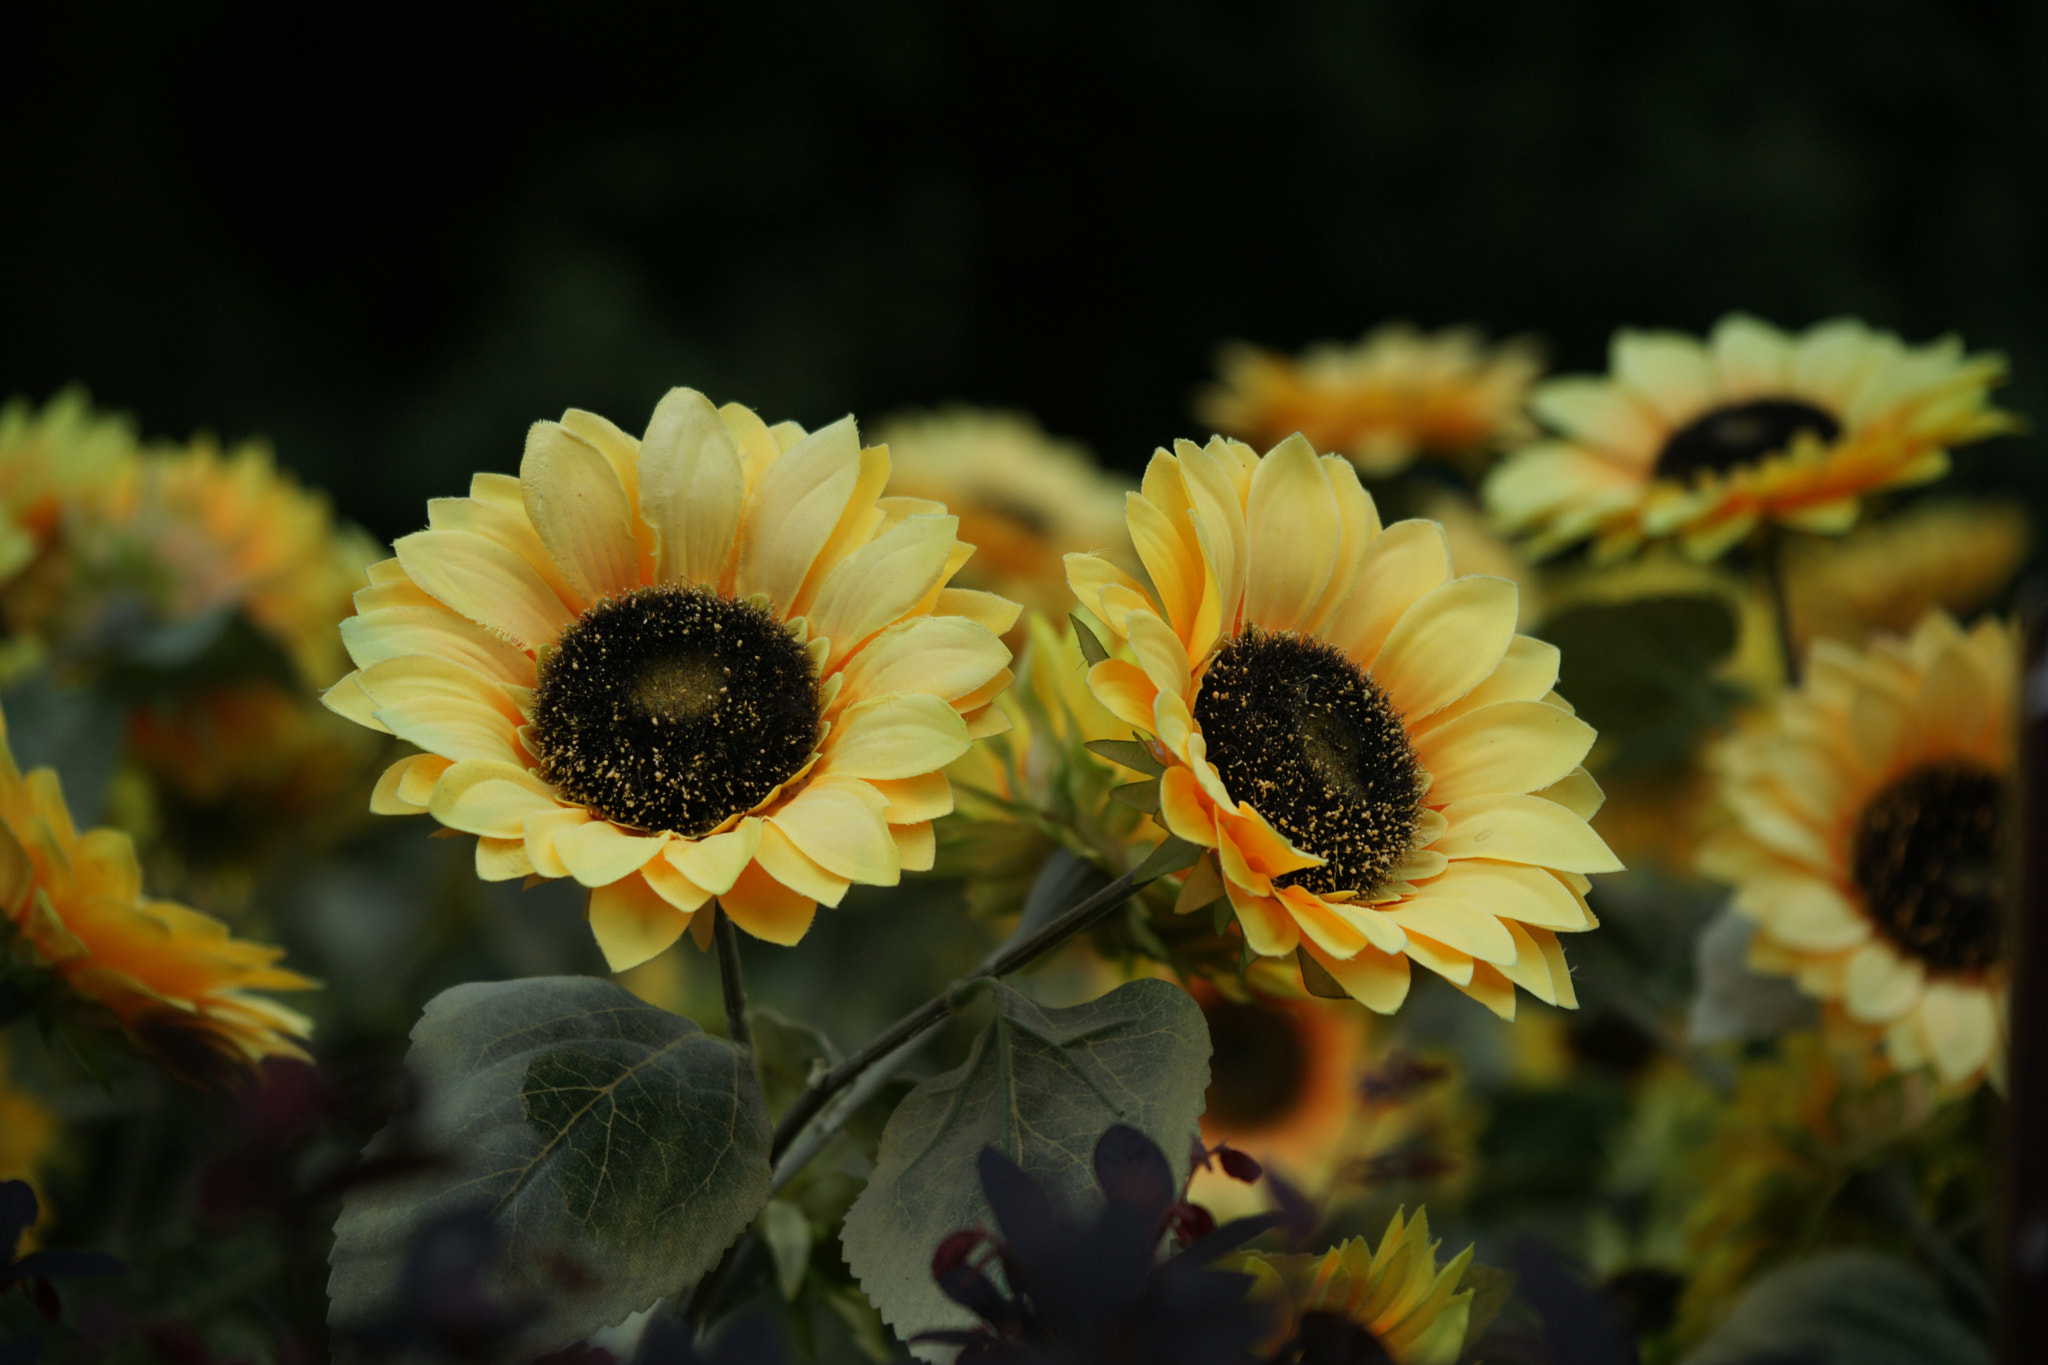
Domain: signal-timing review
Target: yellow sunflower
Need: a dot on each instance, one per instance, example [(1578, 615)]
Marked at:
[(176, 981), (1024, 499), (1397, 394), (49, 461), (712, 662), (1374, 759), (1397, 1292), (1871, 813), (1704, 441)]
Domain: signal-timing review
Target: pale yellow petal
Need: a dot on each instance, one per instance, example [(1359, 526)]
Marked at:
[(1446, 644), (793, 510), (692, 488), (1376, 980), (767, 909), (1268, 929), (485, 582), (838, 823), (1404, 563), (894, 736), (490, 798), (877, 584), (1293, 533), (1523, 829), (542, 829), (987, 609), (1511, 746), (1961, 1027), (949, 657), (599, 852), (791, 867), (579, 510), (375, 636), (716, 862), (1880, 985), (632, 923)]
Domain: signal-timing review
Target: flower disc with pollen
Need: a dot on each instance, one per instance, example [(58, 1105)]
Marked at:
[(674, 708), (1702, 441), (1374, 759), (711, 662), (1308, 737), (1871, 831)]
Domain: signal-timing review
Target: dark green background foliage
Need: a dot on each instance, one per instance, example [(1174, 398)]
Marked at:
[(393, 252)]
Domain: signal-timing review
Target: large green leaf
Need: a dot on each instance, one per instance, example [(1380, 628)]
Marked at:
[(1042, 1085), (1846, 1308), (618, 1149)]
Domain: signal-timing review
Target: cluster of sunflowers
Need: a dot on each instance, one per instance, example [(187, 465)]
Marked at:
[(1206, 768)]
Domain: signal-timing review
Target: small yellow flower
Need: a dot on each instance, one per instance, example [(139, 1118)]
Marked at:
[(50, 461), (713, 662), (177, 982), (1704, 441), (1374, 759), (1397, 1292), (1024, 499), (1871, 813), (1395, 395)]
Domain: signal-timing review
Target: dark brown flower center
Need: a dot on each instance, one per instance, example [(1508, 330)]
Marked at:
[(1930, 858), (1740, 434), (1300, 731), (674, 708), (1258, 1066)]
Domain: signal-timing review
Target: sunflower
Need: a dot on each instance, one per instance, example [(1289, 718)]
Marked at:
[(179, 985), (1397, 1292), (1374, 760), (713, 662), (49, 461), (1397, 394), (1023, 498), (1283, 1087), (1871, 813), (1704, 441)]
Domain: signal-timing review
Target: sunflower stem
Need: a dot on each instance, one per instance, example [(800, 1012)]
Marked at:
[(1781, 605), (729, 979), (1020, 953)]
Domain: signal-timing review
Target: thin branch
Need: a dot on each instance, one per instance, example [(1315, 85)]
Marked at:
[(735, 987), (1019, 954)]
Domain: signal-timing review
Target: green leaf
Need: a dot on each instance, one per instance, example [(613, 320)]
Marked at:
[(1640, 672), (602, 1135), (1849, 1307), (1141, 796), (1041, 1085), (1128, 753), (1092, 648)]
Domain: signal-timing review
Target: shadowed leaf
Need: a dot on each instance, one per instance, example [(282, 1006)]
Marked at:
[(1041, 1086), (617, 1149)]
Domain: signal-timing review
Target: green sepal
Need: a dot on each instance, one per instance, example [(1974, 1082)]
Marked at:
[(1142, 796), (1092, 648), (1316, 978), (1128, 753)]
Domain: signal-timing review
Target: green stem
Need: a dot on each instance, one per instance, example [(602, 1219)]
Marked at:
[(1781, 606), (730, 981)]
